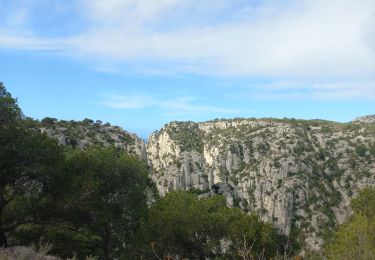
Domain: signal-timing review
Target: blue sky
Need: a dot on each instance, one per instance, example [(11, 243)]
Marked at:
[(140, 64)]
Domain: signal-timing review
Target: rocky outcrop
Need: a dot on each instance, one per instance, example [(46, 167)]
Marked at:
[(370, 119), (81, 134), (24, 253), (297, 175)]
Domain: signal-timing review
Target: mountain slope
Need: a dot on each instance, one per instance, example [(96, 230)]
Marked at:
[(298, 175), (81, 134)]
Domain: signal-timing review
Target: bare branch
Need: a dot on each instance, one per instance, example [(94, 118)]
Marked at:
[(153, 250)]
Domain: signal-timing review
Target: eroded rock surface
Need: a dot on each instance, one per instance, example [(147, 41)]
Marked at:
[(298, 175)]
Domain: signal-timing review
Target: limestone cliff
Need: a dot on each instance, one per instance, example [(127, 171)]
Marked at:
[(298, 175)]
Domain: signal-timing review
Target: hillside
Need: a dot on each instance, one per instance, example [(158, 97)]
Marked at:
[(299, 175), (85, 133)]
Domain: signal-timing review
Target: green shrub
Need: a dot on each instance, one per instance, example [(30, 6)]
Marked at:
[(361, 150)]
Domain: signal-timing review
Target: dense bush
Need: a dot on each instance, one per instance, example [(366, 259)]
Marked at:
[(28, 162), (356, 238), (361, 150), (88, 202), (187, 135), (184, 225)]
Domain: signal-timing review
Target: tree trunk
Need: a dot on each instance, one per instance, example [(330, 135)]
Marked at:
[(3, 238), (107, 243), (3, 241)]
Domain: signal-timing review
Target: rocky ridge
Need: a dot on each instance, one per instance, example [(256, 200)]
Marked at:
[(81, 134), (370, 119), (298, 175)]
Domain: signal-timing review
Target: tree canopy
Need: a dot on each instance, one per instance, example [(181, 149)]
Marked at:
[(85, 201), (109, 188), (183, 224), (27, 160), (355, 239)]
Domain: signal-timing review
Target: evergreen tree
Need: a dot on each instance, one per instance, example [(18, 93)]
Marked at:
[(355, 239), (27, 159), (106, 198)]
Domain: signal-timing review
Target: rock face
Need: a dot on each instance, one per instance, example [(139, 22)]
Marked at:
[(297, 175), (19, 252), (365, 119), (81, 134)]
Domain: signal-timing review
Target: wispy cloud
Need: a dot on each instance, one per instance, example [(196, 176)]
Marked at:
[(333, 41), (295, 38), (310, 90), (175, 106)]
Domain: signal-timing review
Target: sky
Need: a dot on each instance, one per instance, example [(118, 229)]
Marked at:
[(140, 64)]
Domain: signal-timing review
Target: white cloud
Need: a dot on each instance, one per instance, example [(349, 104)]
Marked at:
[(122, 12), (179, 105), (368, 32), (333, 41), (10, 40), (311, 39), (310, 90)]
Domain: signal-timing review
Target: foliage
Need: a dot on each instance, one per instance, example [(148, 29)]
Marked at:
[(250, 238), (28, 160), (83, 133), (187, 135), (48, 121), (90, 202), (101, 200), (9, 110), (184, 225), (361, 150), (180, 224), (107, 186), (372, 149), (364, 203), (356, 238)]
